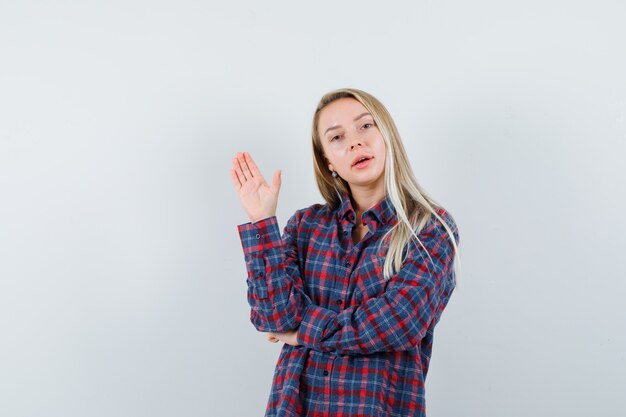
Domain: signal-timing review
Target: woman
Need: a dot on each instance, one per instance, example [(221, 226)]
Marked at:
[(354, 287)]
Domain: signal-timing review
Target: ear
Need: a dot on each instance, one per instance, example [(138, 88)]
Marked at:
[(330, 166)]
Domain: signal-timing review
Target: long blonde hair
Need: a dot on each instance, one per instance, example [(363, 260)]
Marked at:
[(412, 205)]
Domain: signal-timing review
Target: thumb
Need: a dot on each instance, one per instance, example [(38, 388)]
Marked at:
[(276, 181)]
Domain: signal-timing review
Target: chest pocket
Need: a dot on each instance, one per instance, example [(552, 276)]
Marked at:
[(370, 281)]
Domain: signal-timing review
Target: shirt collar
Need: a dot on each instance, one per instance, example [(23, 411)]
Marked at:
[(382, 212)]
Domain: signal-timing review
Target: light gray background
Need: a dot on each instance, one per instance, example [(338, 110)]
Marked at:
[(122, 289)]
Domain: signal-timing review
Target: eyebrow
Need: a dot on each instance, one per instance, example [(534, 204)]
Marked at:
[(338, 126)]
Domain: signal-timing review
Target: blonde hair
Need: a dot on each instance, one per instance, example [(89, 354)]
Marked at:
[(413, 207)]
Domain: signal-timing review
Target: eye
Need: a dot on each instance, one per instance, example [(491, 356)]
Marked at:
[(368, 125), (336, 137)]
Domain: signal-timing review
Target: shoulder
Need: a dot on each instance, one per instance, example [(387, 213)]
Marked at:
[(447, 218), (435, 229), (312, 216)]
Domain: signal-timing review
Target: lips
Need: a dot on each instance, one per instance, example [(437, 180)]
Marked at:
[(361, 158)]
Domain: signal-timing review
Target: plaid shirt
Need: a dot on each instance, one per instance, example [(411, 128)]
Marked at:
[(365, 343)]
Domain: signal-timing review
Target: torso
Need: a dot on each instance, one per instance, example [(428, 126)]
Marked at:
[(358, 233)]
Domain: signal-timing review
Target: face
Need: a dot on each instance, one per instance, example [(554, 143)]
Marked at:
[(348, 135)]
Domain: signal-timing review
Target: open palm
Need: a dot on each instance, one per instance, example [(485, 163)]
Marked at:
[(259, 199)]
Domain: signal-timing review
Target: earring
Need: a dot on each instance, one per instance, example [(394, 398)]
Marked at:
[(334, 174)]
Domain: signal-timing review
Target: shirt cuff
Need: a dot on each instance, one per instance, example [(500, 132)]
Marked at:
[(314, 322), (259, 236)]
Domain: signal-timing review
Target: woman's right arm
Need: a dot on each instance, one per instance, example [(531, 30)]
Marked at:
[(276, 293), (275, 290)]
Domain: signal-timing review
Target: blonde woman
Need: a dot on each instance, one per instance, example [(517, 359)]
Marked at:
[(355, 286)]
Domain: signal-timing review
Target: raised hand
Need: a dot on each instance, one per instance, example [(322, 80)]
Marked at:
[(258, 199)]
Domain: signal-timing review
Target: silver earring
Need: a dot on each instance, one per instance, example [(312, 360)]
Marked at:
[(334, 174)]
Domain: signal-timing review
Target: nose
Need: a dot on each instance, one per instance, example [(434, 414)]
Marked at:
[(354, 144), (353, 139)]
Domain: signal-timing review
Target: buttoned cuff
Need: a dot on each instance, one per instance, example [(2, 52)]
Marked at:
[(259, 236), (314, 322)]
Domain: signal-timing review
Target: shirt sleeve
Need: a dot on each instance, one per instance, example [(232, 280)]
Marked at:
[(399, 318), (276, 293)]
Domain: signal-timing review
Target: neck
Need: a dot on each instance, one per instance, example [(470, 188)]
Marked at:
[(365, 198)]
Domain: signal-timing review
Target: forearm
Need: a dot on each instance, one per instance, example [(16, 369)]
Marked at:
[(275, 291), (396, 321)]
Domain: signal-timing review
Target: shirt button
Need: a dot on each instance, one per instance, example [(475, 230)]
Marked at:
[(258, 236), (261, 274), (339, 302), (348, 264), (325, 373), (345, 232)]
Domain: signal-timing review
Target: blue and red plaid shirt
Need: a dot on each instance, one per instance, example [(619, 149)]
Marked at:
[(365, 343)]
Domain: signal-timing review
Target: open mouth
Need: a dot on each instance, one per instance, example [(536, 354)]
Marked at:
[(362, 161)]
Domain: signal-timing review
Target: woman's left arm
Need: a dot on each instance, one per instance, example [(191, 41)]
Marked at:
[(399, 318)]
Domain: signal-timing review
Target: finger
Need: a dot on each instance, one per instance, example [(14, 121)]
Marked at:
[(244, 167), (235, 178), (239, 171), (277, 181), (252, 166)]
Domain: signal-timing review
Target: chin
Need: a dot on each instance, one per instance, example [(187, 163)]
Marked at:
[(366, 181)]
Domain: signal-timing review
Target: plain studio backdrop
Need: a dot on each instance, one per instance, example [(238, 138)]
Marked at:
[(122, 278)]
